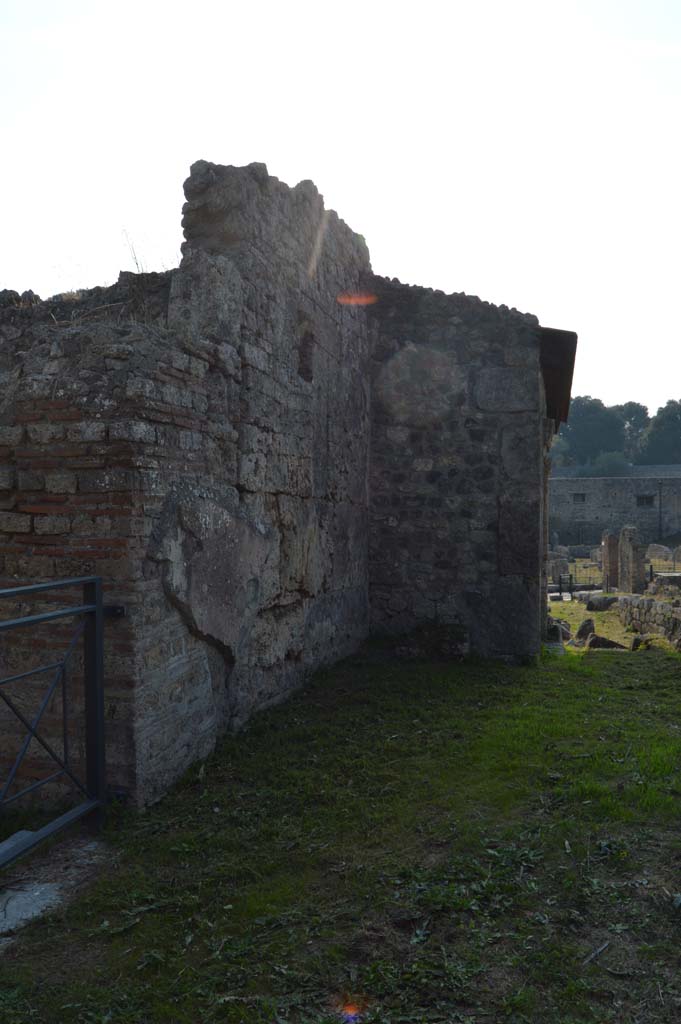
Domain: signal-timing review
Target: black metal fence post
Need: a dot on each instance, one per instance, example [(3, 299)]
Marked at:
[(94, 692)]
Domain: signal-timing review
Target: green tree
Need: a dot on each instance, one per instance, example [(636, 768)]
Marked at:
[(560, 451), (661, 441), (609, 464), (636, 419), (592, 429)]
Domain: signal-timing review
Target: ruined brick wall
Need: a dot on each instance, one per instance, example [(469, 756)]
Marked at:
[(68, 502), (581, 508), (457, 469), (202, 445), (259, 553), (201, 440)]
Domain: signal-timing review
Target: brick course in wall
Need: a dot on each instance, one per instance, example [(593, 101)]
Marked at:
[(631, 569)]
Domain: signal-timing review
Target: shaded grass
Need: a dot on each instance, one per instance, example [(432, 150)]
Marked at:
[(433, 843)]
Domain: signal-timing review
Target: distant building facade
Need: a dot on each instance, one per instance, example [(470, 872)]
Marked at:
[(581, 508)]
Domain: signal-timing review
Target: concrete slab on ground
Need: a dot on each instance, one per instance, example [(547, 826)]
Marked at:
[(46, 880)]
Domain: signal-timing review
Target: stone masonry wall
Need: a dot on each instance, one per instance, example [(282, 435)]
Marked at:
[(581, 508), (204, 447), (201, 440), (69, 503), (457, 469), (631, 561), (610, 559), (646, 615)]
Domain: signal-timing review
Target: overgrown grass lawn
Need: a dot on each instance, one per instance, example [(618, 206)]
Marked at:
[(409, 842), (606, 623)]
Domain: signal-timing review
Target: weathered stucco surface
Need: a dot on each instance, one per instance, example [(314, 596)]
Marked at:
[(457, 467), (260, 467)]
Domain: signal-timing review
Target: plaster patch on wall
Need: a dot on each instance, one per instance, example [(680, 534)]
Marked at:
[(217, 564)]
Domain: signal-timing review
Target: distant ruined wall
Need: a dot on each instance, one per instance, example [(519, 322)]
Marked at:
[(457, 469), (201, 439), (581, 508)]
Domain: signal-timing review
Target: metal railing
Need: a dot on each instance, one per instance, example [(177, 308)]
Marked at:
[(91, 789), (589, 575)]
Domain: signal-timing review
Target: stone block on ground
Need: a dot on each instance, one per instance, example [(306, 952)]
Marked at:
[(586, 627), (595, 642), (557, 629), (600, 603)]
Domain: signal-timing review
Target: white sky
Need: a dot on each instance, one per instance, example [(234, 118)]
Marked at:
[(526, 152)]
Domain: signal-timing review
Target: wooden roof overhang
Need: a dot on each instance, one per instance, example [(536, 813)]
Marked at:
[(557, 351)]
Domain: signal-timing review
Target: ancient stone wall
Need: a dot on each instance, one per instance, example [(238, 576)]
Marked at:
[(71, 502), (647, 615), (610, 545), (457, 469), (204, 449), (631, 561), (201, 440), (581, 508)]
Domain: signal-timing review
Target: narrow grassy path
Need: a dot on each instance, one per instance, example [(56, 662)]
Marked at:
[(422, 842)]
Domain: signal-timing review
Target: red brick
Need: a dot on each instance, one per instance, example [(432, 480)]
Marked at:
[(46, 509)]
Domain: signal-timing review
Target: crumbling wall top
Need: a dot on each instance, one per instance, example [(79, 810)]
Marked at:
[(242, 211)]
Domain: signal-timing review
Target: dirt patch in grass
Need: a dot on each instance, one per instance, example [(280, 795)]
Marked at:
[(424, 843)]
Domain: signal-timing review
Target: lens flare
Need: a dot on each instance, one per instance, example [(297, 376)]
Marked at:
[(356, 299), (350, 1009)]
